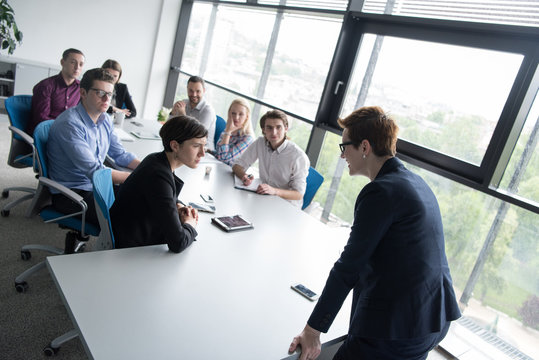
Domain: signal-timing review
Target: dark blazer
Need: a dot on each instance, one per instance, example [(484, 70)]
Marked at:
[(123, 100), (145, 211), (394, 260)]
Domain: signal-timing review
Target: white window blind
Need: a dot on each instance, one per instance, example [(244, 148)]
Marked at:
[(509, 12)]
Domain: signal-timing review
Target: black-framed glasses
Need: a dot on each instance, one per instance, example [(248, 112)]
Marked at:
[(343, 145), (102, 93)]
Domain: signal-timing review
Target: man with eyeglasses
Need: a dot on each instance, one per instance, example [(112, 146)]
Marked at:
[(80, 139), (57, 93)]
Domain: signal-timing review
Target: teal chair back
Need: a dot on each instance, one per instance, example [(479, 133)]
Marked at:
[(18, 109), (314, 180), (41, 136), (220, 125), (104, 198)]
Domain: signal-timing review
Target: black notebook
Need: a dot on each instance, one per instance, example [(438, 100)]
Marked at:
[(232, 223)]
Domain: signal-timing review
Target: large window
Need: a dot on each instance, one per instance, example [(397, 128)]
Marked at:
[(263, 54), (445, 97), (462, 82)]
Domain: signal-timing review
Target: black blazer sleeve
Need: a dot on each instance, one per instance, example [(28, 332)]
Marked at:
[(124, 98), (163, 213)]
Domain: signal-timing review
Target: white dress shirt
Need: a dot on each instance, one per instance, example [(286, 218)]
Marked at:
[(285, 168)]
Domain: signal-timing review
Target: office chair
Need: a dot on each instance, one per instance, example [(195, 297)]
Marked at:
[(314, 180), (21, 152), (79, 230), (220, 125), (104, 198)]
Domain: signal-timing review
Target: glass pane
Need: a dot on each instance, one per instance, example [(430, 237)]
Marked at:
[(522, 174), (514, 12), (444, 97), (299, 68), (503, 310), (196, 34), (298, 130), (238, 48), (342, 197)]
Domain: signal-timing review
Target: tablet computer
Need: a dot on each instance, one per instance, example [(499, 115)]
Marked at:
[(232, 223)]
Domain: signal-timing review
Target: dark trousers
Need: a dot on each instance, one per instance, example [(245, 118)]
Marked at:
[(67, 206), (357, 348)]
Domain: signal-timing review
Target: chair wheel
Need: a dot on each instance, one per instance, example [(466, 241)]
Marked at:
[(26, 255), (4, 213), (5, 194), (50, 351), (21, 287)]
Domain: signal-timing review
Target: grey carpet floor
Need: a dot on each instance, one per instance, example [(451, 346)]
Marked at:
[(28, 321)]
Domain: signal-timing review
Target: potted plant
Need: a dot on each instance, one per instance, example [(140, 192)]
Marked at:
[(10, 35)]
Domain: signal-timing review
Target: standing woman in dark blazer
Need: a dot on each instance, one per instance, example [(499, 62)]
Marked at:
[(146, 211), (394, 260), (121, 100)]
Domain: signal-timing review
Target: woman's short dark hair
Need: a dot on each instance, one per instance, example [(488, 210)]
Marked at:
[(181, 128), (114, 65), (374, 125), (95, 74)]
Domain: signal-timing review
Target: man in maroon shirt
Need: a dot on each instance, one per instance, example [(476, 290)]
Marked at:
[(59, 92)]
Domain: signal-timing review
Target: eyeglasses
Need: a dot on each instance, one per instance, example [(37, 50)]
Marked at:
[(343, 145), (102, 93)]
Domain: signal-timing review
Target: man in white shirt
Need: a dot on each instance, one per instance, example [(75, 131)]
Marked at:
[(283, 165), (197, 107)]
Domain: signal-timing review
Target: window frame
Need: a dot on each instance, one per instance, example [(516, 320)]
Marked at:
[(508, 38)]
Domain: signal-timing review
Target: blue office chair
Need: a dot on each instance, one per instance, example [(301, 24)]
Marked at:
[(220, 125), (21, 152), (79, 230), (314, 180), (104, 198)]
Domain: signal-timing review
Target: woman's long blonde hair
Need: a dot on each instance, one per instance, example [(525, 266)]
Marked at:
[(247, 127)]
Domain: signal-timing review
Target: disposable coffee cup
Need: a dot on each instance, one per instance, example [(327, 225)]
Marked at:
[(119, 118)]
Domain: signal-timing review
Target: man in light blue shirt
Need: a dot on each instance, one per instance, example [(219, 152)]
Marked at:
[(79, 140)]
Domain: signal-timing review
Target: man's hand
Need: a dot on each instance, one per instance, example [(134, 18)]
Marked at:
[(309, 340), (178, 108), (266, 190)]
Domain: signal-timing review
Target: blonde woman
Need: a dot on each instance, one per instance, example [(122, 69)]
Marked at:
[(238, 133)]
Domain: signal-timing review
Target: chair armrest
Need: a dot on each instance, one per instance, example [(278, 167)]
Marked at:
[(61, 188), (109, 162), (27, 138)]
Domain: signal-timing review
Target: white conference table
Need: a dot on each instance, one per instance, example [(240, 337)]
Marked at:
[(227, 296)]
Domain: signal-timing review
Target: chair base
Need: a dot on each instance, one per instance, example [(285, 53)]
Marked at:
[(12, 204), (54, 345), (74, 243)]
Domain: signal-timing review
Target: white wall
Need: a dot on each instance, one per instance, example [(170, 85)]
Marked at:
[(139, 34)]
